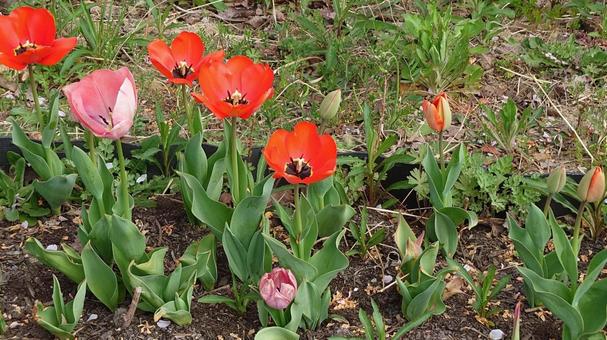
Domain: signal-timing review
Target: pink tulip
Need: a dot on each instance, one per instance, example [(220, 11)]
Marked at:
[(104, 102), (278, 288)]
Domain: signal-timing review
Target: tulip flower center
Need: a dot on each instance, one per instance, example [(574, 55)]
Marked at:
[(182, 70), (236, 98), (26, 46), (299, 167)]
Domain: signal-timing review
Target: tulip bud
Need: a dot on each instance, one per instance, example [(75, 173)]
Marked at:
[(592, 186), (278, 288), (556, 181), (414, 248), (437, 112), (330, 105)]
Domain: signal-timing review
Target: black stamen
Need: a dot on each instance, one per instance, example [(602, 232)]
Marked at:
[(104, 120), (299, 167)]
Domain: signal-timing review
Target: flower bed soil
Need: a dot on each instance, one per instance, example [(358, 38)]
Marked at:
[(24, 281)]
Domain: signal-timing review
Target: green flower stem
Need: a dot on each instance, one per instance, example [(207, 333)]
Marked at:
[(298, 223), (441, 152), (124, 184), (576, 231), (187, 109), (234, 163), (34, 90), (281, 318), (547, 204), (90, 141)]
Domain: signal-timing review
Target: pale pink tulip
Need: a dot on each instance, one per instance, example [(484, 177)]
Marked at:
[(104, 102), (278, 288)]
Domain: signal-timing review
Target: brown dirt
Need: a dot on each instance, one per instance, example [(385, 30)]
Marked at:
[(26, 281)]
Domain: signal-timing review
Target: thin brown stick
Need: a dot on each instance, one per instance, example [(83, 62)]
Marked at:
[(128, 317)]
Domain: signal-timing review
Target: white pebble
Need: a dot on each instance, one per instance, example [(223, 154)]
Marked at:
[(496, 334), (141, 178), (92, 317), (52, 247), (387, 279), (25, 224), (163, 323)]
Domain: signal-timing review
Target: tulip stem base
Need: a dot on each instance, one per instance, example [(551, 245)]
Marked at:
[(34, 90), (90, 141), (576, 231), (547, 205), (124, 184), (298, 224), (441, 152), (235, 189)]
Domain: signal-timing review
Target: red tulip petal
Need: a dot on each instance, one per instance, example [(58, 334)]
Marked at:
[(11, 62), (59, 49), (236, 65), (161, 57), (9, 38), (256, 80), (214, 106), (189, 47), (39, 22), (215, 81), (303, 141)]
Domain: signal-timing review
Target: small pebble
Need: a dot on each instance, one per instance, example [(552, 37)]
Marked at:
[(387, 279), (52, 247), (141, 178), (92, 317), (496, 334), (109, 165), (25, 224), (163, 323)]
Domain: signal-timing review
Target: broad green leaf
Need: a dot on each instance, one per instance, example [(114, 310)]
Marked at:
[(246, 218), (329, 261), (88, 173), (208, 211), (525, 247), (595, 267), (446, 232), (56, 190), (563, 250), (593, 307), (276, 333), (301, 269), (58, 300), (236, 254), (537, 227), (195, 158), (60, 260), (332, 219), (102, 281)]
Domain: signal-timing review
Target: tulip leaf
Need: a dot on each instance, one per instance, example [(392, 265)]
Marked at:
[(202, 255), (32, 152), (89, 173), (402, 235), (208, 211), (127, 242), (525, 247), (257, 257), (276, 333), (428, 301), (236, 254), (153, 263), (216, 179), (61, 260), (563, 250), (445, 230), (195, 158), (454, 169), (329, 261), (300, 268), (332, 219), (593, 307), (595, 268), (538, 228), (435, 179), (56, 190), (246, 218), (101, 279)]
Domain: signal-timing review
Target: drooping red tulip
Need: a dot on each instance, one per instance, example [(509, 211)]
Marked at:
[(27, 36), (302, 155), (104, 102), (278, 288), (437, 112), (181, 62), (236, 88)]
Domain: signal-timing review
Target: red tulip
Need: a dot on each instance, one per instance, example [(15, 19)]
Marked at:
[(181, 62), (236, 88), (104, 102), (301, 156), (27, 36), (278, 288), (437, 112)]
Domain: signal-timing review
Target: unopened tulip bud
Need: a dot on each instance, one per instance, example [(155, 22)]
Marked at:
[(437, 112), (278, 288), (330, 105), (414, 248), (592, 186), (556, 181)]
